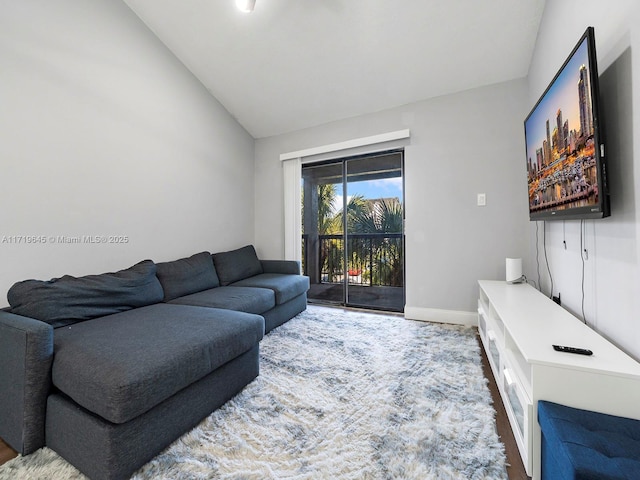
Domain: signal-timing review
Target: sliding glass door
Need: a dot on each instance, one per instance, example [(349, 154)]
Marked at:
[(353, 242)]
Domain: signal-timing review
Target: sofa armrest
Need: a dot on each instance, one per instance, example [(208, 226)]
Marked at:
[(26, 355), (281, 266)]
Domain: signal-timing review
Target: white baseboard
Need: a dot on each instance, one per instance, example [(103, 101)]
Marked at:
[(441, 316)]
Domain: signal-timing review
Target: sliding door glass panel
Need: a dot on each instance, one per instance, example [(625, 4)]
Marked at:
[(323, 231), (374, 243)]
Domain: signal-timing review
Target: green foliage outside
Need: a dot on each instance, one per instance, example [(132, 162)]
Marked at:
[(374, 259)]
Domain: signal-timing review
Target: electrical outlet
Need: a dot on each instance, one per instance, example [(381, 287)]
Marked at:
[(482, 199)]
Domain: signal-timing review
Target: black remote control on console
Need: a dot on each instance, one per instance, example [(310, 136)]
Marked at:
[(579, 351)]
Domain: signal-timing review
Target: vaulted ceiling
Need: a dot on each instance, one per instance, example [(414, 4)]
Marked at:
[(293, 64)]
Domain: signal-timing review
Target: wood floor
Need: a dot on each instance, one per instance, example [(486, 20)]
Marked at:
[(515, 469), (6, 452)]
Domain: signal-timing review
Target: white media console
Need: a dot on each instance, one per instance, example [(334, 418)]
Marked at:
[(518, 326)]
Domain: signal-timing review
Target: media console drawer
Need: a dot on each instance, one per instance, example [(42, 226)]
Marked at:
[(494, 353), (518, 407)]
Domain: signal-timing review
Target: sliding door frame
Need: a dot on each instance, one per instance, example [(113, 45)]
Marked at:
[(343, 164)]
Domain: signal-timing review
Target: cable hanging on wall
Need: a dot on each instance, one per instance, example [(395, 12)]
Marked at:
[(584, 255), (544, 244), (538, 255)]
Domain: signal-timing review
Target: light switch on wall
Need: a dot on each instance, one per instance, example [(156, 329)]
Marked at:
[(482, 199)]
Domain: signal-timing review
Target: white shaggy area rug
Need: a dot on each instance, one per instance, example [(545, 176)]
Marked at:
[(341, 395)]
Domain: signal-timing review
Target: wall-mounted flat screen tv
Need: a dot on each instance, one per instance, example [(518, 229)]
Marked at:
[(566, 169)]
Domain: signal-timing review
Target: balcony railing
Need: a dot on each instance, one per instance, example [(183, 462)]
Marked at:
[(372, 259)]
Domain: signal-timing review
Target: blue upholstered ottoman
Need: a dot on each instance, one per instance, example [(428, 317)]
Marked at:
[(584, 445)]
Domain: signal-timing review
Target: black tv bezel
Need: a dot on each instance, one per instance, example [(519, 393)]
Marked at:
[(602, 208)]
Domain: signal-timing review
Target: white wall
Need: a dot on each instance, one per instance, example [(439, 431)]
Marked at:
[(104, 132), (612, 277), (460, 145)]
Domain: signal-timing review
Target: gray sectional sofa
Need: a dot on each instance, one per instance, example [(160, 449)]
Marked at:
[(108, 370)]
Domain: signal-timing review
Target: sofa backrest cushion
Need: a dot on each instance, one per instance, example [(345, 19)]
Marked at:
[(67, 300), (237, 264), (187, 275)]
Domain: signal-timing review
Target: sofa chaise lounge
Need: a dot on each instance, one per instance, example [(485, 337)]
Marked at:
[(107, 370)]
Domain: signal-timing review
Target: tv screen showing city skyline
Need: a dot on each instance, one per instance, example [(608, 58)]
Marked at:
[(560, 147)]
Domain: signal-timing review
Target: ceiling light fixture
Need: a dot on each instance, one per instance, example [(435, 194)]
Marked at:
[(246, 6)]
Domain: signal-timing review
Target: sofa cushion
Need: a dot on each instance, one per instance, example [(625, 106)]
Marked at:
[(67, 300), (237, 264), (187, 275), (286, 287), (120, 366), (242, 299)]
